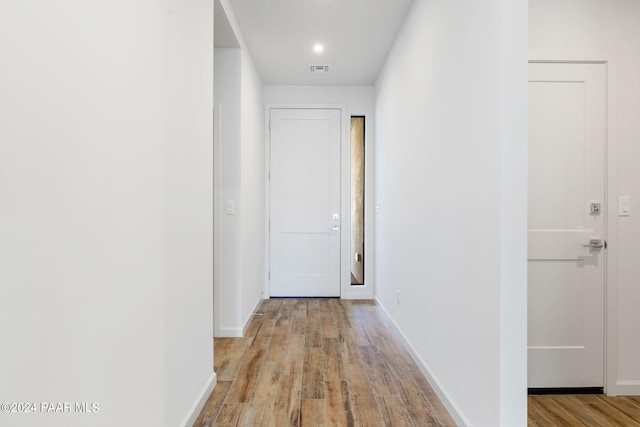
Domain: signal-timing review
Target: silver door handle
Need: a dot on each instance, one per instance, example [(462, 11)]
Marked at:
[(595, 244)]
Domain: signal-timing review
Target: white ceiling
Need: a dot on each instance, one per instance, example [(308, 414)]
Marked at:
[(223, 32), (356, 34)]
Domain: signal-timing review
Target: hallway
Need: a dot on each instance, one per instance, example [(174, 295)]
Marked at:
[(317, 362)]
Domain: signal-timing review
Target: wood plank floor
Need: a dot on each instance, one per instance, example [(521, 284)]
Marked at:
[(584, 410), (319, 362)]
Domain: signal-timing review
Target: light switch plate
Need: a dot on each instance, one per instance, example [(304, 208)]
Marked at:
[(230, 207), (624, 206)]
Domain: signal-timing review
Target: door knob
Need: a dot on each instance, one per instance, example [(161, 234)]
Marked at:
[(595, 244)]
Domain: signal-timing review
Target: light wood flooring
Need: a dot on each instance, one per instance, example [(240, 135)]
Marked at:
[(584, 410), (319, 362), (329, 362)]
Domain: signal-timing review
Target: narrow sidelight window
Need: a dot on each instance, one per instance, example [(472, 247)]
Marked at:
[(357, 200)]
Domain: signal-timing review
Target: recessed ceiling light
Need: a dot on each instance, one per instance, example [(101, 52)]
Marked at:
[(318, 48)]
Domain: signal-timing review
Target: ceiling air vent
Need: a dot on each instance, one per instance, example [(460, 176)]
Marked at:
[(319, 68)]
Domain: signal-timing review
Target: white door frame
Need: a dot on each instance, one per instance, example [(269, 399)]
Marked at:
[(345, 211), (612, 386)]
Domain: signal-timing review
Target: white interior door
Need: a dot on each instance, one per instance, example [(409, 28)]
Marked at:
[(305, 202), (567, 134)]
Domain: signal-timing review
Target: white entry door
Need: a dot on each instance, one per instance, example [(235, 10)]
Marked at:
[(305, 202), (567, 135)]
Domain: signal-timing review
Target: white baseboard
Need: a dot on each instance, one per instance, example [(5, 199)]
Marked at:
[(193, 413), (455, 412), (237, 332), (625, 388), (230, 333), (248, 319), (351, 294)]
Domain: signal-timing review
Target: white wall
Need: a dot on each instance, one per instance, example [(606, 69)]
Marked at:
[(451, 185), (357, 101), (188, 210), (228, 321), (608, 30), (105, 209), (252, 178), (239, 159)]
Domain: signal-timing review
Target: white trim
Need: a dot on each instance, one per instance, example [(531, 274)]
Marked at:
[(266, 293), (611, 325), (454, 410), (345, 202), (197, 406), (345, 211), (627, 388), (369, 208), (358, 292), (229, 333), (612, 386), (569, 56), (236, 332), (217, 223), (251, 314), (365, 291)]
